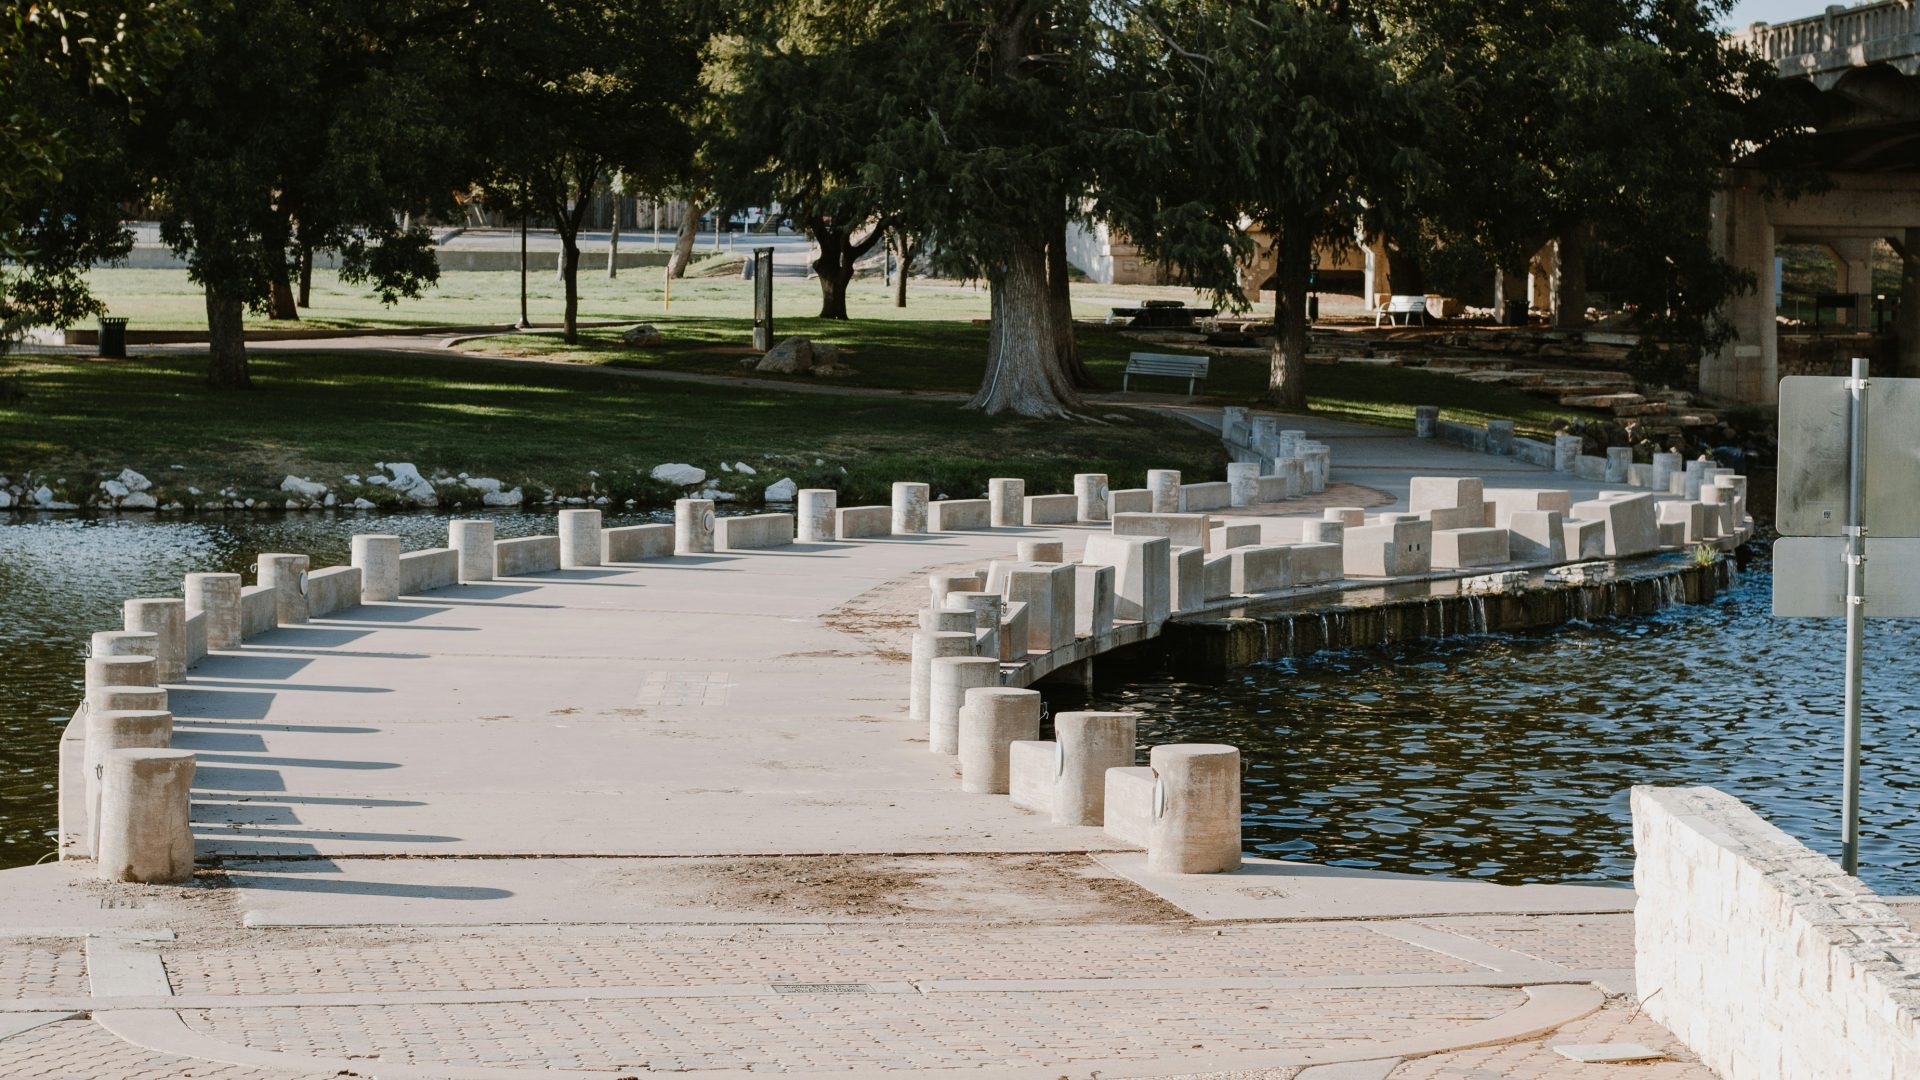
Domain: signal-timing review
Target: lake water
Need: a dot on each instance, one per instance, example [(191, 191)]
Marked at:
[(1506, 757)]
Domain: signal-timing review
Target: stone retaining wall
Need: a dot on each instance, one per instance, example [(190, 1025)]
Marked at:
[(1763, 956)]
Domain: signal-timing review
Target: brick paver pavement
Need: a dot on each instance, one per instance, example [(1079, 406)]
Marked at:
[(83, 1050), (1619, 1022), (32, 968), (1574, 941)]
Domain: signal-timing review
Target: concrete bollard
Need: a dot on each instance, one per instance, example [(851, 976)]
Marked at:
[(993, 718), (951, 678), (1164, 486), (816, 507), (217, 598), (1040, 551), (1566, 451), (130, 698), (473, 539), (986, 609), (104, 671), (118, 729), (1352, 517), (929, 645), (580, 536), (942, 584), (940, 620), (1243, 483), (146, 834), (286, 575), (1196, 809), (1323, 532), (1665, 464), (1006, 502), (123, 643), (910, 507), (1426, 421), (1090, 493), (1619, 458), (692, 526), (378, 557), (167, 621), (1089, 743), (1500, 437)]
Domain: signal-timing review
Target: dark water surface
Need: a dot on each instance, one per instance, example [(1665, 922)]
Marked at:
[(1506, 757), (1509, 757)]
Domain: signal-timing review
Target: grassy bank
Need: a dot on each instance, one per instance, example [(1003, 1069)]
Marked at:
[(325, 415)]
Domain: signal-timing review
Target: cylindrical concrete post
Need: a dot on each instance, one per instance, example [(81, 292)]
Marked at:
[(1243, 483), (473, 539), (1088, 744), (1006, 505), (105, 671), (123, 643), (935, 620), (167, 621), (928, 646), (146, 832), (216, 597), (692, 526), (952, 677), (991, 718), (1323, 532), (1090, 494), (286, 575), (986, 609), (1566, 452), (129, 698), (910, 507), (942, 584), (815, 519), (580, 537), (1619, 458), (1426, 421), (118, 729), (1164, 486), (1665, 464), (1041, 551), (1196, 809), (378, 557)]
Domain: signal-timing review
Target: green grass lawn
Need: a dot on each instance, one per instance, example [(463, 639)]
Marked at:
[(323, 415)]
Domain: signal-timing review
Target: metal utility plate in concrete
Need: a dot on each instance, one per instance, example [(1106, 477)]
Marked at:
[(1608, 1053), (1810, 577), (1271, 889), (1812, 499)]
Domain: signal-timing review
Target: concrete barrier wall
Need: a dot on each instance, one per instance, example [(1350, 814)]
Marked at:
[(1762, 956), (428, 569), (1214, 496), (1052, 509), (196, 637), (631, 543), (958, 515), (855, 522), (753, 531), (257, 610), (335, 588), (529, 555)]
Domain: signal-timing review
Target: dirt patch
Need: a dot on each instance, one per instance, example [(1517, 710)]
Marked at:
[(1334, 495), (887, 616)]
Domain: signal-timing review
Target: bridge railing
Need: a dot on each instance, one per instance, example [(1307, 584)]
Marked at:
[(1842, 30)]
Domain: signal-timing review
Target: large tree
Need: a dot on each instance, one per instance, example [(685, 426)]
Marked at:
[(336, 119), (579, 90)]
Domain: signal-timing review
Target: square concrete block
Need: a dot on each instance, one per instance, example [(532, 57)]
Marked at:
[(1048, 592), (1631, 522), (1640, 476), (1585, 539), (1537, 536), (1351, 516), (1093, 600), (1030, 773), (1317, 563), (1182, 530), (1673, 534), (1189, 579), (1589, 467), (1394, 549), (1458, 549), (959, 515), (1243, 534), (1697, 521), (1052, 509), (1261, 569), (1444, 493), (1216, 577), (1013, 632), (1508, 501), (1473, 516), (1142, 585), (1129, 811)]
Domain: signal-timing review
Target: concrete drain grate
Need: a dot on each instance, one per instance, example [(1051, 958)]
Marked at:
[(822, 988)]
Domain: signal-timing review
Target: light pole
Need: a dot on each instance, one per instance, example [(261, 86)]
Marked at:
[(524, 322)]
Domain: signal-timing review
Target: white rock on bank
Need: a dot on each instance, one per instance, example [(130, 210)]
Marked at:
[(483, 484), (362, 504), (782, 490), (43, 496), (407, 481), (717, 495), (6, 500), (134, 481), (304, 488), (140, 500), (115, 489), (679, 474), (743, 467), (502, 498), (724, 467)]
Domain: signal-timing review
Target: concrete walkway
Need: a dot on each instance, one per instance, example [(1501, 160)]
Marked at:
[(671, 817)]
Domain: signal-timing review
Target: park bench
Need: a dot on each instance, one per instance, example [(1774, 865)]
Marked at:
[(1407, 306), (1191, 368), (1162, 315)]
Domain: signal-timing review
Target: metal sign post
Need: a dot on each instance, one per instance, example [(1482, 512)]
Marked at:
[(1838, 478), (762, 298)]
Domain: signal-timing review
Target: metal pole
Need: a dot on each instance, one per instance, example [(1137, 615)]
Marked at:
[(1856, 607), (524, 321)]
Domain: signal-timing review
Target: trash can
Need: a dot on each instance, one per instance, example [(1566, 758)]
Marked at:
[(113, 338), (1515, 314), (1313, 309)]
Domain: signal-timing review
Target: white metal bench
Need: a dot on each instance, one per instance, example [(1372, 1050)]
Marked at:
[(1407, 306), (1191, 368)]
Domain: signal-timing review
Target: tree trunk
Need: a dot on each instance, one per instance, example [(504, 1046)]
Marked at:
[(1570, 279), (1286, 377), (570, 281), (903, 248), (1023, 372), (613, 242), (305, 298), (833, 268), (226, 342), (1403, 268), (683, 243), (280, 282), (1060, 301)]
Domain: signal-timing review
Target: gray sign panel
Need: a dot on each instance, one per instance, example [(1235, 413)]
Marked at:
[(1810, 575), (1812, 497)]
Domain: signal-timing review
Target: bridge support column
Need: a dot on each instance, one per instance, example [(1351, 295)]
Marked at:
[(1745, 368), (1909, 324), (1542, 269), (1853, 256)]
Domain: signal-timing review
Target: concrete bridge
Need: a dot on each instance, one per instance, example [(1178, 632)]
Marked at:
[(1859, 71)]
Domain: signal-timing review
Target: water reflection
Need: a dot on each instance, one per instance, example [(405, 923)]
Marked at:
[(1509, 757)]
